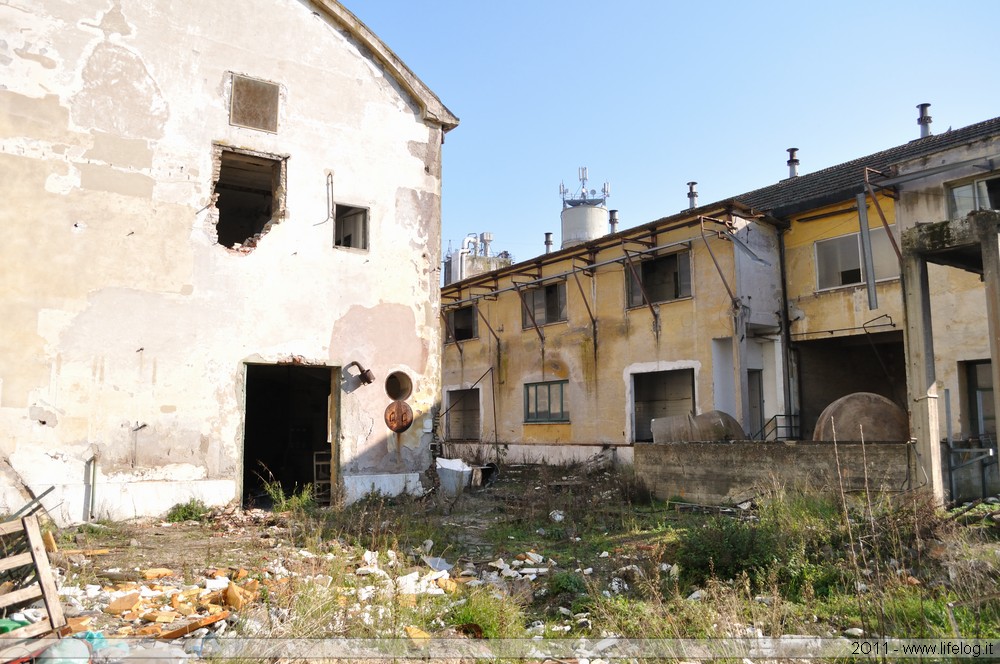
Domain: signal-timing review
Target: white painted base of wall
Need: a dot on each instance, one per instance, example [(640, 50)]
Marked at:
[(68, 504), (533, 453), (357, 487)]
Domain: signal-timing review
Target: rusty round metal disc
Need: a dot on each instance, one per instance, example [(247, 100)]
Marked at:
[(398, 416)]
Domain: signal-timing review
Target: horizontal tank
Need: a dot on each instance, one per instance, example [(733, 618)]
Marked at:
[(582, 223)]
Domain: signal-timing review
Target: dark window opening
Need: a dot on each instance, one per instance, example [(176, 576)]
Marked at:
[(247, 197), (463, 415), (661, 394), (547, 304), (663, 279), (462, 324), (286, 430), (350, 227), (546, 402), (979, 394), (254, 104)]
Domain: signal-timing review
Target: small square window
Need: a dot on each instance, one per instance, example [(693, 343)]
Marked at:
[(254, 104), (350, 227), (546, 402), (547, 304), (462, 324), (663, 279)]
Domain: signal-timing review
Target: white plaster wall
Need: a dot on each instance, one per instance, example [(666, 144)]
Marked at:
[(758, 282), (126, 325)]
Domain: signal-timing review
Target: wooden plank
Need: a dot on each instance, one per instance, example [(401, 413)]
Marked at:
[(197, 624), (29, 594), (20, 560), (49, 592), (39, 628), (11, 527)]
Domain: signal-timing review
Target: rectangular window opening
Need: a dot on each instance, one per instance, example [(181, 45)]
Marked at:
[(350, 227), (979, 397), (983, 194), (664, 278), (463, 324), (463, 415), (546, 402), (248, 197), (839, 263), (547, 304)]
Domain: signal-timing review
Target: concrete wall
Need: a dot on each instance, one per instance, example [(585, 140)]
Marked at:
[(958, 298), (127, 327), (721, 473)]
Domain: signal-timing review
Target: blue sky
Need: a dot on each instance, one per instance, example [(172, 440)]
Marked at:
[(649, 95)]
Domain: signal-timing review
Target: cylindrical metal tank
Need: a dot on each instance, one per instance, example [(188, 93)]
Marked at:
[(582, 223)]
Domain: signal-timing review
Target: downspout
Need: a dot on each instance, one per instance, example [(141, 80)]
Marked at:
[(91, 511), (786, 337)]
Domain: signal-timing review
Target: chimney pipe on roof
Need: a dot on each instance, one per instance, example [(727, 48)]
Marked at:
[(692, 195), (924, 120), (613, 219), (548, 242), (793, 162)]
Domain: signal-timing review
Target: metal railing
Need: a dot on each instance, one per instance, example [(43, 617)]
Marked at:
[(779, 427)]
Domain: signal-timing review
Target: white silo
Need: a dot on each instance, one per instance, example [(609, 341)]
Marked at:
[(584, 216)]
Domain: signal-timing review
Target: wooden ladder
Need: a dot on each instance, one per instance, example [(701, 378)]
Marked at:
[(23, 560)]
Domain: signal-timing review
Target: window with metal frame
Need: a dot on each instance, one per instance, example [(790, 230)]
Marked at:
[(546, 402), (463, 324), (982, 194), (663, 278), (838, 260), (546, 303)]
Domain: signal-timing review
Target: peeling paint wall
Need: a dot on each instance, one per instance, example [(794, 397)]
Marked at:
[(127, 326), (599, 372)]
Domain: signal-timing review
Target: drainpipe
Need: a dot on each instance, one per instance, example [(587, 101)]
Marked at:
[(91, 512), (924, 120), (692, 195), (786, 340), (793, 162), (470, 240)]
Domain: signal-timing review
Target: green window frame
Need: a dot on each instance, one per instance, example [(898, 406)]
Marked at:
[(546, 402)]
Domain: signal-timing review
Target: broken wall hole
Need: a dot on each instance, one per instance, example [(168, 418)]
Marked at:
[(249, 196), (288, 426), (398, 386)]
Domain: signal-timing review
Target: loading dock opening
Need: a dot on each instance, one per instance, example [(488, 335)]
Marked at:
[(287, 430)]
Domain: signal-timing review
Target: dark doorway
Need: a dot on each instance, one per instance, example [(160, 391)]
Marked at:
[(661, 394), (832, 368), (286, 429)]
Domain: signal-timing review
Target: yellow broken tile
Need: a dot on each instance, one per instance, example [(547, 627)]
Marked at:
[(157, 573), (234, 598), (185, 609), (161, 616), (50, 542), (417, 635), (6, 587), (447, 585), (241, 574), (78, 624), (404, 599), (123, 604), (149, 630)]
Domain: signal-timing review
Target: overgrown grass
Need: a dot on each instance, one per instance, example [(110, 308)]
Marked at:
[(192, 510)]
